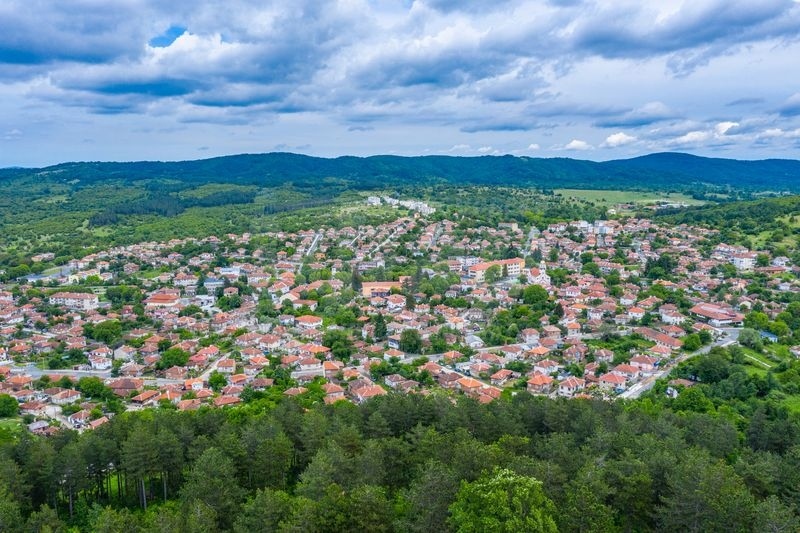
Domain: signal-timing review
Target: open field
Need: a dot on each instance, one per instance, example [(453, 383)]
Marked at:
[(612, 197)]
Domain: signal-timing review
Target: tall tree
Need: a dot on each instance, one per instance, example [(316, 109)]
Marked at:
[(503, 501), (705, 495), (411, 341), (140, 459), (380, 327), (264, 512), (212, 481)]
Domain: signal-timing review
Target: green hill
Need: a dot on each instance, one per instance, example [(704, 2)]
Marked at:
[(656, 171), (66, 207)]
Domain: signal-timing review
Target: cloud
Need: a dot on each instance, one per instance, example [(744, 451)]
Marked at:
[(533, 147), (724, 127), (747, 101), (650, 113), (693, 137), (459, 148), (618, 139), (692, 32), (577, 144), (791, 107), (429, 73), (12, 135)]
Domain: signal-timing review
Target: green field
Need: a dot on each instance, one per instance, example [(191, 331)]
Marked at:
[(612, 197)]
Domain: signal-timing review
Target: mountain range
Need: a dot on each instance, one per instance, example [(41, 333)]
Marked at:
[(654, 171)]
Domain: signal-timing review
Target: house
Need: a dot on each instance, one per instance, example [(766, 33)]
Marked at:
[(501, 377), (629, 372), (100, 363), (308, 322), (571, 386), (224, 401), (661, 339), (78, 301), (65, 397), (547, 367), (645, 364), (469, 386), (540, 383), (226, 366), (333, 392), (448, 379), (80, 418), (363, 394), (530, 336), (146, 398), (744, 260), (124, 387), (613, 381), (717, 315)]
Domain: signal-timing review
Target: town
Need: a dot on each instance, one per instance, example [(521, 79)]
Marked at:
[(424, 304)]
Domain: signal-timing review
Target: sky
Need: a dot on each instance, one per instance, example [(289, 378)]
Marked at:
[(91, 80)]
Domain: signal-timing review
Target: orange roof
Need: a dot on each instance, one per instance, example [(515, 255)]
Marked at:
[(540, 379)]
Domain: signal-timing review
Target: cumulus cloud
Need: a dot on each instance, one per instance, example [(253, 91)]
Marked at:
[(618, 139), (693, 137), (496, 68), (577, 144), (724, 127)]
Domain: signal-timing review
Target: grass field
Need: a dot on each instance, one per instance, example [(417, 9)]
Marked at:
[(612, 197)]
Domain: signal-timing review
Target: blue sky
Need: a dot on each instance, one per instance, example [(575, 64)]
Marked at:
[(139, 79)]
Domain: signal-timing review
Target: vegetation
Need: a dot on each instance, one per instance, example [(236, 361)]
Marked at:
[(66, 209), (421, 463)]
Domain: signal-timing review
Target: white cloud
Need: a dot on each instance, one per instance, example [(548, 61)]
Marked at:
[(577, 144), (459, 148), (618, 139), (428, 74), (693, 137), (723, 127)]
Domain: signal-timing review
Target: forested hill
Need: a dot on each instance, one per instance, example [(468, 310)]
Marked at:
[(765, 174), (771, 221), (656, 171)]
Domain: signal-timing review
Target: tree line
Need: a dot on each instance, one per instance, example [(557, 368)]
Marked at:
[(413, 463)]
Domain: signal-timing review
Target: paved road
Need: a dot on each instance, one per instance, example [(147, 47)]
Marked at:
[(317, 237), (728, 337), (532, 234), (35, 372)]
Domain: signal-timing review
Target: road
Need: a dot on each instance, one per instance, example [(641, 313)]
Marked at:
[(728, 337), (317, 237), (355, 240), (36, 372), (532, 234)]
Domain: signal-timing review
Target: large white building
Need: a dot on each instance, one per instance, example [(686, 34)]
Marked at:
[(511, 267), (75, 300)]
